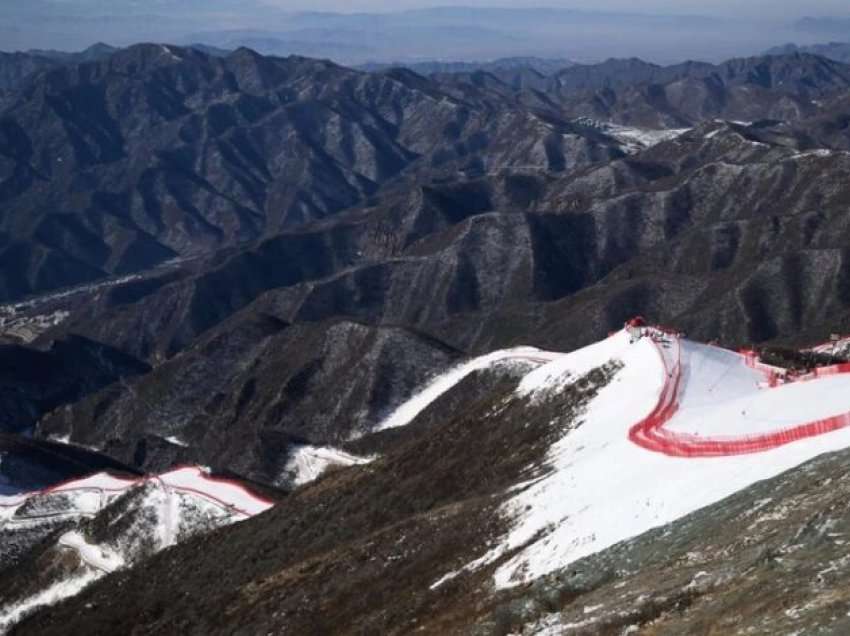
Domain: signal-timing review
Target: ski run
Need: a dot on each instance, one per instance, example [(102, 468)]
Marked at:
[(682, 425)]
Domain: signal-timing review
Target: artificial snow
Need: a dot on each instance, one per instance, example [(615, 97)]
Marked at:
[(227, 493), (605, 489), (307, 463)]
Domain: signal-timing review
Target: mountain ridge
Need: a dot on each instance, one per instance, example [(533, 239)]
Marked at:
[(358, 289)]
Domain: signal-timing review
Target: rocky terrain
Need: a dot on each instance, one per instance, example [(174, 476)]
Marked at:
[(18, 67), (768, 560), (170, 151), (252, 263), (520, 65), (417, 528)]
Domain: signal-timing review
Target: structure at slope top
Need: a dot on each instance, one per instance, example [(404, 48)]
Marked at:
[(837, 345), (743, 371), (636, 459)]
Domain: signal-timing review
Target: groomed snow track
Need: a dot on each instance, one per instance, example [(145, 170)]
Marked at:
[(651, 433)]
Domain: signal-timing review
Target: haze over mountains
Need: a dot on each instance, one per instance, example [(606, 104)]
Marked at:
[(839, 51), (421, 34), (389, 302)]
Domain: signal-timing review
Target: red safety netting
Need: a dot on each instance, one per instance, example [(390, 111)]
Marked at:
[(650, 432)]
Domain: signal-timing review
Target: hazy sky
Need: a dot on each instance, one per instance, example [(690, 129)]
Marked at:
[(746, 27), (768, 9)]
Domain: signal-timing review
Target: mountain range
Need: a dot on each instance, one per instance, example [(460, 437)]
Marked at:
[(839, 51), (411, 33), (277, 268)]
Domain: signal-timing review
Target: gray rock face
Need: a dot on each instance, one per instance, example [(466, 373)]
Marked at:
[(771, 558), (838, 51), (731, 232), (735, 232), (429, 501), (16, 67)]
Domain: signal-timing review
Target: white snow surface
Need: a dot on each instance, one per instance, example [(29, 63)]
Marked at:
[(307, 463), (195, 480), (817, 153), (723, 397), (635, 139), (603, 488), (90, 495), (96, 556), (191, 479), (632, 138), (408, 411)]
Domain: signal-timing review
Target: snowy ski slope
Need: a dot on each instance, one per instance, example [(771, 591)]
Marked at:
[(681, 426)]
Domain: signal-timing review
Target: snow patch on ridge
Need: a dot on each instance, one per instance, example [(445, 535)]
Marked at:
[(838, 347), (633, 139), (58, 591), (444, 382), (307, 463), (97, 556), (637, 139)]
